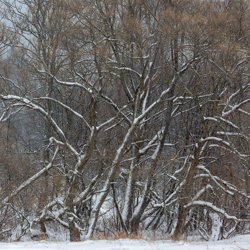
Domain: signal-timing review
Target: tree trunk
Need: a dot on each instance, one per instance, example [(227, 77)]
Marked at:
[(179, 229), (135, 225), (73, 231)]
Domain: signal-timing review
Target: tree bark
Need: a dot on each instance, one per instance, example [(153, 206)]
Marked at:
[(179, 229), (73, 231)]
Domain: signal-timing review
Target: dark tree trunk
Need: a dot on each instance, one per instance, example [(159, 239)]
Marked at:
[(179, 230), (74, 232), (135, 225)]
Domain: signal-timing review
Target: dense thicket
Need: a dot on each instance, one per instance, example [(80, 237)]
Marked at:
[(125, 115)]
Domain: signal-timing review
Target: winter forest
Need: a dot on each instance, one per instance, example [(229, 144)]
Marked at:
[(124, 116)]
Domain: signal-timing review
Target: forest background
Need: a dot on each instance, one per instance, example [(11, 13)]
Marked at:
[(125, 116)]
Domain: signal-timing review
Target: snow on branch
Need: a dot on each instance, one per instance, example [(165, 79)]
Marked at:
[(213, 207), (201, 192), (31, 179), (233, 108), (229, 146), (130, 70), (70, 109), (215, 179), (70, 84), (5, 117), (32, 105), (170, 199), (119, 110), (84, 194), (46, 211), (228, 122), (215, 139)]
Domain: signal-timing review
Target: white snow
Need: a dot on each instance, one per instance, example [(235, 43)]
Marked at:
[(236, 243)]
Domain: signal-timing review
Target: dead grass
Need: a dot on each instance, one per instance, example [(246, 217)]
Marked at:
[(40, 237), (117, 236), (140, 236), (182, 238)]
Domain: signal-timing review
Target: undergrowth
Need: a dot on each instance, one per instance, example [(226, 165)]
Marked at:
[(124, 235)]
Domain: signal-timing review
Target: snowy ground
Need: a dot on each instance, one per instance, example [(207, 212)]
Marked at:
[(236, 243)]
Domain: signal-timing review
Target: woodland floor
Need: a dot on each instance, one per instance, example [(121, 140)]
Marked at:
[(236, 243)]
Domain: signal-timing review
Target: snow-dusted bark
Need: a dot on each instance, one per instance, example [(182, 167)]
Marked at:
[(128, 192)]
